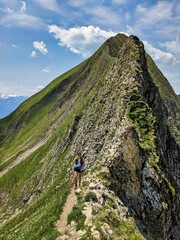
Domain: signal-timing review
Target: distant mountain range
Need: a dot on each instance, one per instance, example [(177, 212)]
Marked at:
[(8, 103)]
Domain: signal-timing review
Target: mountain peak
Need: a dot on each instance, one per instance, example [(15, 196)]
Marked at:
[(120, 111)]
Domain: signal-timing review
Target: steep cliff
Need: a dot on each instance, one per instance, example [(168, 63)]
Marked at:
[(134, 129), (120, 110)]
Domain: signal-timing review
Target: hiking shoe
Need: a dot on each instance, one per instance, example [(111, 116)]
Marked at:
[(75, 186)]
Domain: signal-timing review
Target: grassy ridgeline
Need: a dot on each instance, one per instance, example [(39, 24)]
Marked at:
[(35, 190)]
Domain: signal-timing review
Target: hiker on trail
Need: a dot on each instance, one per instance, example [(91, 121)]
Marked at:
[(78, 165)]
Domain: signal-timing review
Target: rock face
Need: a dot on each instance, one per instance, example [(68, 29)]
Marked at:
[(118, 108), (130, 127)]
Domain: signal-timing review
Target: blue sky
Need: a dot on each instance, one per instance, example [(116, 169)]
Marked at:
[(41, 39)]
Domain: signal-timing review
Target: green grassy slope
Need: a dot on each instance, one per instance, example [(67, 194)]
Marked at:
[(32, 119), (171, 100), (161, 82), (33, 192)]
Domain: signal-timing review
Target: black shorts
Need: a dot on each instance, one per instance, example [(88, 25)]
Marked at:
[(79, 170)]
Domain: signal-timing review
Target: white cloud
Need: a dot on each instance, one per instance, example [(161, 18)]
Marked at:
[(6, 10), (28, 91), (23, 8), (161, 11), (48, 4), (14, 45), (127, 16), (130, 30), (173, 46), (160, 56), (80, 40), (11, 3), (95, 13), (105, 16), (33, 54), (38, 88), (78, 3), (160, 19), (19, 90), (46, 70), (40, 46), (20, 18), (119, 2), (8, 95)]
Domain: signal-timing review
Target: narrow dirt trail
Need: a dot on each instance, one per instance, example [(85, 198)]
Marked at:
[(61, 224), (30, 150), (21, 157)]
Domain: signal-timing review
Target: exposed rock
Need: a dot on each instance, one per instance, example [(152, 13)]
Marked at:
[(139, 147), (120, 111)]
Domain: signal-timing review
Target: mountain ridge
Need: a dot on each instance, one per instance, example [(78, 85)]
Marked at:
[(8, 103), (114, 108)]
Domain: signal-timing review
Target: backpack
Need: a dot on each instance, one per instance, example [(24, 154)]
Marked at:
[(80, 161)]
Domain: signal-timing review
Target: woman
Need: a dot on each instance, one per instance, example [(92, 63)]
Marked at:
[(78, 165)]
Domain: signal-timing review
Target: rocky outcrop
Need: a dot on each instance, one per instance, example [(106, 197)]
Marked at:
[(99, 213), (120, 111), (127, 126)]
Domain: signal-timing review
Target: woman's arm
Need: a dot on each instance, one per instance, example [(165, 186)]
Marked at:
[(83, 161), (74, 161)]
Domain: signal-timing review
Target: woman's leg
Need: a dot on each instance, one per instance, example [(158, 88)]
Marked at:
[(75, 179), (80, 179)]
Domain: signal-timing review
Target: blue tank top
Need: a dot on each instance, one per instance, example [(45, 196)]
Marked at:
[(78, 163)]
